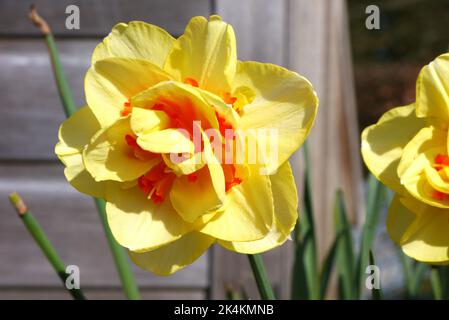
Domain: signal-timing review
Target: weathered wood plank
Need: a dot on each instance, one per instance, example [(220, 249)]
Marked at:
[(319, 49), (98, 17), (72, 224), (259, 27), (260, 31), (31, 109), (231, 269), (15, 293)]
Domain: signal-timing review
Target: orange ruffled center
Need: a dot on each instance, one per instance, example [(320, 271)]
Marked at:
[(157, 182), (440, 162)]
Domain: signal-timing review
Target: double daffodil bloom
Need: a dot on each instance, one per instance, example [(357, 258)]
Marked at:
[(168, 196), (408, 151)]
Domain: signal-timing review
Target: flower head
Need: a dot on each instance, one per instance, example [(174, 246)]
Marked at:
[(168, 139), (408, 151)]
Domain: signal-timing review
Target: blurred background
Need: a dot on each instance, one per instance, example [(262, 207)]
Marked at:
[(358, 74)]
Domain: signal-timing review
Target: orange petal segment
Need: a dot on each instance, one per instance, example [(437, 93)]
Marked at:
[(138, 152), (441, 163), (157, 183), (126, 108), (191, 81)]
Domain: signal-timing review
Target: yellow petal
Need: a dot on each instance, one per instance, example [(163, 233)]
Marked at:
[(419, 154), (80, 178), (432, 90), (185, 163), (248, 212), (285, 211), (206, 52), (109, 157), (417, 184), (399, 220), (435, 180), (179, 98), (74, 133), (111, 82), (174, 256), (225, 111), (244, 96), (284, 102), (427, 138), (428, 239), (145, 121), (285, 198), (166, 141), (137, 223), (382, 143), (208, 189), (208, 197), (137, 39)]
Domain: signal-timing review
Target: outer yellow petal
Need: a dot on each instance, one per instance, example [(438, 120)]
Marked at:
[(428, 239), (205, 52), (248, 212), (135, 40), (137, 223), (286, 214), (111, 82), (174, 256), (432, 90), (382, 143), (399, 220), (285, 198), (76, 131), (74, 134), (109, 157), (81, 179), (284, 102)]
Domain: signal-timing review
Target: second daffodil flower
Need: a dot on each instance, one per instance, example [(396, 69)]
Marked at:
[(144, 144), (408, 151)]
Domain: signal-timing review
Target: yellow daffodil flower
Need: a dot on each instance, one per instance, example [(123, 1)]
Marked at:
[(408, 151), (142, 143)]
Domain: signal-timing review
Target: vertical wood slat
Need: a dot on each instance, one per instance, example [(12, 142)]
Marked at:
[(34, 278), (260, 31), (319, 49)]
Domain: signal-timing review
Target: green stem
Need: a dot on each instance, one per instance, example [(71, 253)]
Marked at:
[(307, 234), (435, 282), (263, 284), (120, 257), (44, 243), (63, 87)]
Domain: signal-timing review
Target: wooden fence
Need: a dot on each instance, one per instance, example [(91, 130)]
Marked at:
[(308, 36)]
